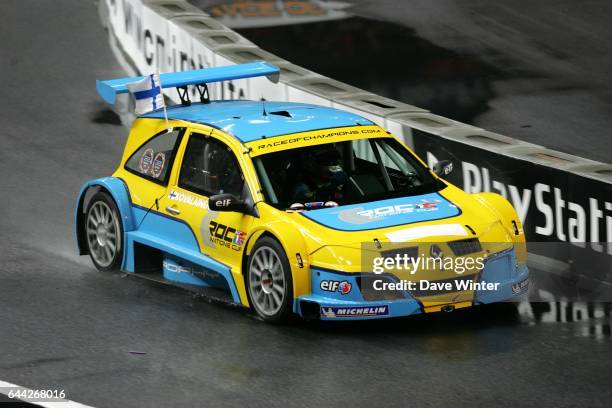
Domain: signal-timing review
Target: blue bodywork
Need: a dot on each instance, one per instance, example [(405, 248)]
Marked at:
[(500, 268), (513, 279), (155, 230), (121, 195), (385, 213), (176, 239), (246, 120)]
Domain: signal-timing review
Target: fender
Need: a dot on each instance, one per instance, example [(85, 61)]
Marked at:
[(507, 214), (119, 192), (293, 243), (500, 207)]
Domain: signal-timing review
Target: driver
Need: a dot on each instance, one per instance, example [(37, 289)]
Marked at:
[(323, 177)]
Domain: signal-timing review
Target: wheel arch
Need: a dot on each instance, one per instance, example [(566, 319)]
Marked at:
[(500, 206), (120, 194), (292, 243), (510, 219)]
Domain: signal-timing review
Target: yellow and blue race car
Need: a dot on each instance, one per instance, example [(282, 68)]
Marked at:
[(291, 208)]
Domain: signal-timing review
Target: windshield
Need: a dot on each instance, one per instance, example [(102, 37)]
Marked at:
[(342, 173)]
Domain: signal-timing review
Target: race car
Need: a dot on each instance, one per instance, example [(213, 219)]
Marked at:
[(291, 208)]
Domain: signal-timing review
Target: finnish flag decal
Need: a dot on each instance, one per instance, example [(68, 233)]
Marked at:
[(147, 94)]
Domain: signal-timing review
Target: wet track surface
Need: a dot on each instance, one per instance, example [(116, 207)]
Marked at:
[(111, 340), (537, 71)]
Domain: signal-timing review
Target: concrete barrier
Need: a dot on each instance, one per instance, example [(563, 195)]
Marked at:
[(172, 8)]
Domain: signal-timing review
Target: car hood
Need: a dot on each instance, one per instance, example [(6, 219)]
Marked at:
[(346, 234), (450, 214)]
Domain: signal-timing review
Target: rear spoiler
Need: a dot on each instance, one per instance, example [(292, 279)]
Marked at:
[(109, 89)]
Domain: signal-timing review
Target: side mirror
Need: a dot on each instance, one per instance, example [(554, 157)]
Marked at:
[(443, 168), (227, 202)]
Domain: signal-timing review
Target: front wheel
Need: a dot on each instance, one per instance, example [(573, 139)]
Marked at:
[(269, 282), (104, 232)]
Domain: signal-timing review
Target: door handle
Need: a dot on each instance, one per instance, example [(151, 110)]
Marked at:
[(173, 210)]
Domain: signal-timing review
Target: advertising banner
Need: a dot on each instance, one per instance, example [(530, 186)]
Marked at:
[(567, 218)]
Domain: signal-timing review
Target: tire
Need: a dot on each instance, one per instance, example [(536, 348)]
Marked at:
[(103, 231), (269, 281)]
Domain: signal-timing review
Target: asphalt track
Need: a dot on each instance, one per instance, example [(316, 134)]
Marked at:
[(110, 340)]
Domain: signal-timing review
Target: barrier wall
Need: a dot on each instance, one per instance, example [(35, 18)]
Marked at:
[(560, 198)]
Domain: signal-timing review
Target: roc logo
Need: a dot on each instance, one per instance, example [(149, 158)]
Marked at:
[(226, 236), (343, 287)]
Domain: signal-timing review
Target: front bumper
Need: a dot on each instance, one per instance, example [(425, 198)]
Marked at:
[(339, 296)]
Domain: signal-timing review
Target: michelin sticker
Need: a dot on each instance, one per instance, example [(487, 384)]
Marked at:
[(335, 312)]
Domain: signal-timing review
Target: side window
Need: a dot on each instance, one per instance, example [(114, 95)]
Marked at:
[(209, 167), (153, 160), (363, 150)]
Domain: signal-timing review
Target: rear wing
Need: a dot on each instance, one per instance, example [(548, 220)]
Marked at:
[(109, 89)]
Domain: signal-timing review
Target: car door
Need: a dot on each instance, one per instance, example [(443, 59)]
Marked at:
[(208, 166)]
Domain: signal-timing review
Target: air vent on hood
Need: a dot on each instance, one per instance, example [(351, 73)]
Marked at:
[(282, 113)]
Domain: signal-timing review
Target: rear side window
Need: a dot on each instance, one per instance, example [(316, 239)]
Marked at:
[(153, 160)]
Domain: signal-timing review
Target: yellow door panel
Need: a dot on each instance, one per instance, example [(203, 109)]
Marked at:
[(207, 164)]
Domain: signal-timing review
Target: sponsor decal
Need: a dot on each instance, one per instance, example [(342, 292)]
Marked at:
[(146, 160), (239, 238), (385, 213), (223, 203), (181, 197), (226, 236), (320, 136), (344, 287), (391, 210), (549, 209), (427, 205), (199, 273), (521, 286), (338, 312), (158, 164), (300, 262)]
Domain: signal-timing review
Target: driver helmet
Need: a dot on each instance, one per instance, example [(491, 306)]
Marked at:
[(324, 161)]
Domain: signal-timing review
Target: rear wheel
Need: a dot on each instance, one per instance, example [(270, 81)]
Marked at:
[(104, 232), (269, 282)]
